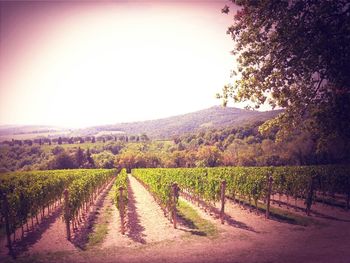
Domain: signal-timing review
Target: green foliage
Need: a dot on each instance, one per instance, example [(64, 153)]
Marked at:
[(83, 187), (63, 161), (246, 182), (158, 182), (295, 55), (28, 192), (121, 182), (104, 160), (65, 156)]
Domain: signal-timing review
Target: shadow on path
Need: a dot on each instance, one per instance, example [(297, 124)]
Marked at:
[(35, 235), (133, 225), (216, 212), (317, 214), (81, 237)]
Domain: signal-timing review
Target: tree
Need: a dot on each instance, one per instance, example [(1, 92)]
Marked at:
[(79, 157), (29, 142), (208, 156), (144, 137), (63, 161), (126, 160), (295, 55), (57, 150), (89, 161), (179, 159), (59, 140), (104, 159)]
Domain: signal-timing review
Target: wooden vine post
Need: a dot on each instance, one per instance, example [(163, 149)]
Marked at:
[(222, 195), (347, 183), (309, 196), (121, 210), (268, 199), (66, 213), (7, 222), (175, 195)]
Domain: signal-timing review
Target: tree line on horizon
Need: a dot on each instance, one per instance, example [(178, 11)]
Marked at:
[(232, 146), (75, 140)]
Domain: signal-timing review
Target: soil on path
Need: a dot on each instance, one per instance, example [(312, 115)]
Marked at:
[(54, 238), (146, 222)]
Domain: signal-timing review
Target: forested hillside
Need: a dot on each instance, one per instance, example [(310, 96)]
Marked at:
[(214, 117)]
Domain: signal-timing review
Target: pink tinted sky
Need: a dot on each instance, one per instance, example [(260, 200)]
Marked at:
[(87, 63)]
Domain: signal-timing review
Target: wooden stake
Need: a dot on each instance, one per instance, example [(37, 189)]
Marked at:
[(309, 196), (269, 189), (175, 191), (66, 212), (222, 211), (121, 210), (7, 223)]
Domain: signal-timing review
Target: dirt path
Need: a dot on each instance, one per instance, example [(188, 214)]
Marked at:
[(114, 236), (54, 238), (145, 220)]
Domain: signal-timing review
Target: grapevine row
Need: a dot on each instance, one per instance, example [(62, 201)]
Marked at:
[(160, 182), (25, 195), (250, 183), (81, 194), (121, 182), (121, 196)]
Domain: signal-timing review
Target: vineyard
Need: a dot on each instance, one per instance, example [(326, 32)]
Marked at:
[(29, 197), (245, 183), (26, 195)]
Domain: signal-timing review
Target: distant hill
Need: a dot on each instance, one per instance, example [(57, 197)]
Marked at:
[(21, 129), (214, 117), (22, 132)]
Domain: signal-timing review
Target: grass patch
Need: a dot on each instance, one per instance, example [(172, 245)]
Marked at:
[(101, 229), (192, 220), (292, 218), (331, 202), (281, 214)]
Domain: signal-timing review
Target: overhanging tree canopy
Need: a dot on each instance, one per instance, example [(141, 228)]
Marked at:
[(295, 55)]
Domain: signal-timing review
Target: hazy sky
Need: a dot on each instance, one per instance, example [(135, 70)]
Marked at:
[(86, 63)]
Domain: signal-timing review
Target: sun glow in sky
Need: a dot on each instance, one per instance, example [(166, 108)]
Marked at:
[(89, 63)]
